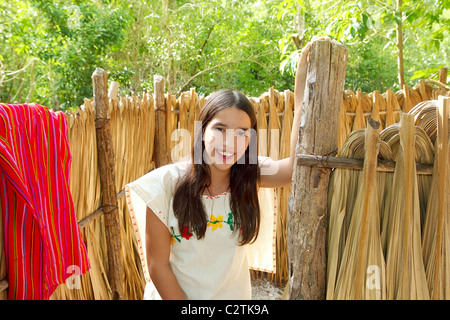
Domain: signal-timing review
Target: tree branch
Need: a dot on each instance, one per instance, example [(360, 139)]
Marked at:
[(10, 73), (203, 46), (32, 82), (214, 67)]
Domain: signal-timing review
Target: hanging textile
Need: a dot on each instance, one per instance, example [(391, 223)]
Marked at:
[(42, 239)]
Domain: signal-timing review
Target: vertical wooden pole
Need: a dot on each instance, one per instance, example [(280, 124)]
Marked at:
[(307, 229), (107, 180), (161, 151)]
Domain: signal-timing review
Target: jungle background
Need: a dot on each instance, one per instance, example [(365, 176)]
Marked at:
[(49, 49)]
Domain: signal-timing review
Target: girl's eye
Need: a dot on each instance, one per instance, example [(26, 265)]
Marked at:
[(220, 129), (240, 133)]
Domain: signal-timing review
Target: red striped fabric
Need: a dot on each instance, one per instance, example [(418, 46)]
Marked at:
[(42, 240)]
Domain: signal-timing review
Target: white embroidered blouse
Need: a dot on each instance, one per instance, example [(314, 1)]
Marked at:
[(215, 267)]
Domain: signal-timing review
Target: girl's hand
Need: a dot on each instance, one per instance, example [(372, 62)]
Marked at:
[(305, 52), (304, 55)]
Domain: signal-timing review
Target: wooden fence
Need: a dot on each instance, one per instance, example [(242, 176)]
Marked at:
[(133, 121), (388, 233)]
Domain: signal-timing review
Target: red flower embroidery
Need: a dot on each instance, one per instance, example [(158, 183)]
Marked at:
[(186, 234)]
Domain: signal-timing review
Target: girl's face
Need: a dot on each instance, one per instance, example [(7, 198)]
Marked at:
[(226, 138)]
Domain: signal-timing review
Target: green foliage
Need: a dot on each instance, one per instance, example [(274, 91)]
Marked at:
[(369, 69), (49, 49), (210, 45), (368, 28), (69, 42)]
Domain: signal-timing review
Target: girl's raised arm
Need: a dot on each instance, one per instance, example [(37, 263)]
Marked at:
[(280, 172)]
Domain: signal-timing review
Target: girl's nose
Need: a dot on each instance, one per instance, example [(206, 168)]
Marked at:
[(233, 141), (228, 139)]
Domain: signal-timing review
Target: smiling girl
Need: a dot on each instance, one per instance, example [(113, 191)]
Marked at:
[(204, 223)]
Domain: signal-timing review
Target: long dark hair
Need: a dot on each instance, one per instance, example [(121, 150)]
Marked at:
[(187, 202)]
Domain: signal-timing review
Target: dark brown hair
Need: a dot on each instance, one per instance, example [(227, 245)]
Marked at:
[(244, 176)]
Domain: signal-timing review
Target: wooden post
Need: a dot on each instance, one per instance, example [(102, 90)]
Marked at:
[(306, 239), (107, 179), (161, 151)]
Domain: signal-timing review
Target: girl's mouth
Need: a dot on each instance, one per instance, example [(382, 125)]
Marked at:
[(226, 157)]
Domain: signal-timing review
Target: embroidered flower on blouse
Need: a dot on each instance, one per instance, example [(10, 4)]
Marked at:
[(186, 234), (215, 222)]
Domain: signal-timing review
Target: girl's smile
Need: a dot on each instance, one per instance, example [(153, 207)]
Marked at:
[(225, 157)]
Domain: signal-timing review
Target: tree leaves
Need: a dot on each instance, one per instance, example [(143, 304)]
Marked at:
[(246, 44), (425, 25)]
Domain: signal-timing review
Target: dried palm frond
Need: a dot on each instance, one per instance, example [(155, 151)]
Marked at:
[(436, 237), (425, 117), (362, 271), (282, 221), (405, 272), (262, 129), (359, 122), (171, 121), (424, 154), (344, 126), (343, 187), (273, 127)]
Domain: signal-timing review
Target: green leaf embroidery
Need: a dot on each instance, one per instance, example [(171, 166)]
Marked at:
[(230, 221)]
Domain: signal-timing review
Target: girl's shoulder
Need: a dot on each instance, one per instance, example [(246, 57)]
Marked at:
[(173, 170), (261, 159), (163, 177)]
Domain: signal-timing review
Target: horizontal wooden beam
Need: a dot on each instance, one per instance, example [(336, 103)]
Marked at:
[(350, 113), (89, 218), (97, 213), (355, 164)]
